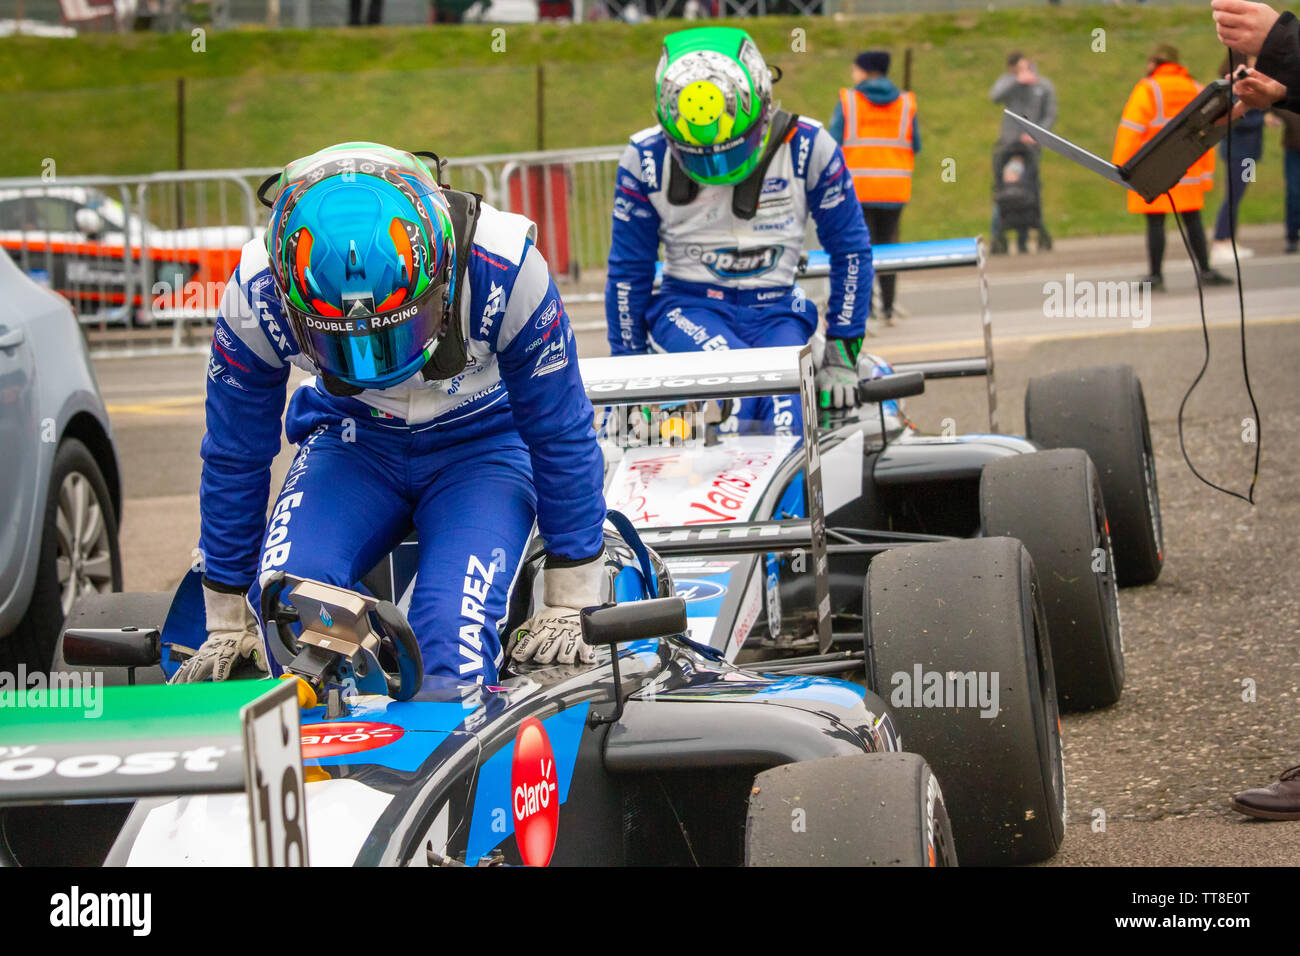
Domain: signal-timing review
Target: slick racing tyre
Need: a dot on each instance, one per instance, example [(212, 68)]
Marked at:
[(881, 809), (1102, 411), (957, 642), (79, 555), (1052, 501)]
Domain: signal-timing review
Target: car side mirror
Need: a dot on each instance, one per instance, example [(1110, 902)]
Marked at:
[(614, 624), (89, 223), (889, 387), (112, 647)]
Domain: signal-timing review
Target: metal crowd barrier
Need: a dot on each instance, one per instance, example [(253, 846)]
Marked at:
[(144, 256), (144, 259)]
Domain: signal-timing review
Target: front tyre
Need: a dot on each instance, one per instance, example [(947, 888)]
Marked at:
[(880, 809), (956, 640)]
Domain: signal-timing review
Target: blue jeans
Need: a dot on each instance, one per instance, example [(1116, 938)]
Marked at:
[(354, 491)]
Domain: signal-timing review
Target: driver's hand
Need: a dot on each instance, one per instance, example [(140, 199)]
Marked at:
[(837, 379), (553, 635), (232, 644)]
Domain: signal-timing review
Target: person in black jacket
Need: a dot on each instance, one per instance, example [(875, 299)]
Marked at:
[(1257, 29), (1274, 39)]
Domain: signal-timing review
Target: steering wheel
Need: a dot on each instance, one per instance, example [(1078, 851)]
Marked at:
[(393, 641)]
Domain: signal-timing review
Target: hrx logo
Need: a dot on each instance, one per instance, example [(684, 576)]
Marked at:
[(534, 794)]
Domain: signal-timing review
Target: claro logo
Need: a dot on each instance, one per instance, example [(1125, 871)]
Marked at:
[(346, 737), (534, 794)]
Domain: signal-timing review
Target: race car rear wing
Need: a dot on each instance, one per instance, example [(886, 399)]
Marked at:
[(732, 373), (692, 376), (913, 257), (72, 740)]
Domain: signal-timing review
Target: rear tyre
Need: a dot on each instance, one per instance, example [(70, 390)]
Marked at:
[(79, 555), (972, 608), (1052, 501), (881, 809), (1102, 410)]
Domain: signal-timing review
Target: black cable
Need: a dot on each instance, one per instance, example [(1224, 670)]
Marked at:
[(1249, 497)]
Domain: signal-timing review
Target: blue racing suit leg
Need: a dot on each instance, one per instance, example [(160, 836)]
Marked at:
[(791, 321), (474, 517), (686, 323), (339, 511)]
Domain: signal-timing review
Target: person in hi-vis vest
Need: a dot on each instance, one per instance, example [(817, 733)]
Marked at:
[(1158, 97), (875, 124)]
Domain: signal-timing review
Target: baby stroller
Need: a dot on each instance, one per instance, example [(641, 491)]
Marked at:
[(1016, 196)]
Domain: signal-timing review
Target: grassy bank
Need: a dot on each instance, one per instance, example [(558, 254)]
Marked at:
[(106, 104)]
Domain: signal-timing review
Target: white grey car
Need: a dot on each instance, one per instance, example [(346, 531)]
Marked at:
[(60, 487)]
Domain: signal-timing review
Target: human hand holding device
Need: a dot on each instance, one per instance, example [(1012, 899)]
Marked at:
[(1254, 91), (1243, 25)]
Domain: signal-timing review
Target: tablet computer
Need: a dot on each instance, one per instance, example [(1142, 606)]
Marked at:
[(1155, 168)]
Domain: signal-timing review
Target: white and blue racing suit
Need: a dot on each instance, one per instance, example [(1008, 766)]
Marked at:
[(469, 463), (729, 282)]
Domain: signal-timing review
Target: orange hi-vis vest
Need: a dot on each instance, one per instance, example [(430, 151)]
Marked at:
[(878, 146), (1156, 100)]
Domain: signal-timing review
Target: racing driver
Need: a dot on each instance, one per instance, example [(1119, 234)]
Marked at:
[(444, 396), (726, 182)]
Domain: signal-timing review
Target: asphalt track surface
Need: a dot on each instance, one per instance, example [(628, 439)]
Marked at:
[(1148, 779)]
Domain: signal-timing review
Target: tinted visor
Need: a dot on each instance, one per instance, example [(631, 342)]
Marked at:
[(371, 351), (721, 160)]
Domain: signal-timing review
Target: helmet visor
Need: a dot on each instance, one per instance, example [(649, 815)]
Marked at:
[(721, 162), (371, 351)]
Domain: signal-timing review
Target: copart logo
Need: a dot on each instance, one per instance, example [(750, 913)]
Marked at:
[(347, 737), (534, 794), (737, 263)]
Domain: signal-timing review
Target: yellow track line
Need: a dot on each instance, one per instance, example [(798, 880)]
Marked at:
[(179, 405)]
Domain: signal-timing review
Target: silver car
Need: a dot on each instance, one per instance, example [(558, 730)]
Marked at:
[(60, 488)]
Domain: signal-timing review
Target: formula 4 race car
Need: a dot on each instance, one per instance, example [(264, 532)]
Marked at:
[(709, 730)]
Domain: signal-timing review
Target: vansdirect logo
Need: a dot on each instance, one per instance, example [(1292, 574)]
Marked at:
[(75, 909)]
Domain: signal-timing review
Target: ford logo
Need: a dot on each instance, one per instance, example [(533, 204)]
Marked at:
[(693, 590)]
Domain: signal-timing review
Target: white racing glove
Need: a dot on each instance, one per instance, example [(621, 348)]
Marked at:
[(837, 379), (232, 641), (553, 635)]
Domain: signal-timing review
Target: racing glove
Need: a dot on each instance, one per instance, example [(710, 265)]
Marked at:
[(233, 643), (553, 635), (837, 379)]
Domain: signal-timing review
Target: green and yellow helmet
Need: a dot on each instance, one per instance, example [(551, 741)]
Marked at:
[(713, 98)]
